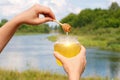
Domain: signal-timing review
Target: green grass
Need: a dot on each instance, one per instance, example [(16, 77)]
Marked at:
[(30, 75), (29, 33), (52, 38), (39, 75)]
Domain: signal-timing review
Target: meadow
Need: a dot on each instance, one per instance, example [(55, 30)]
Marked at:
[(39, 75)]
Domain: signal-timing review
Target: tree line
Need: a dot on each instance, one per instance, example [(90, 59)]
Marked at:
[(95, 18)]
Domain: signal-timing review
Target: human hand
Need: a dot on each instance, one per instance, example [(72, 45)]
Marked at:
[(74, 66), (31, 16)]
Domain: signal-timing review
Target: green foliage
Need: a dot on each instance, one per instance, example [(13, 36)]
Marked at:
[(40, 75), (69, 19), (3, 21), (114, 6), (84, 17), (52, 38), (30, 75), (96, 17), (43, 28)]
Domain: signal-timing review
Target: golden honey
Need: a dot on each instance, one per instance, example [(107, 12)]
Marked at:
[(67, 48)]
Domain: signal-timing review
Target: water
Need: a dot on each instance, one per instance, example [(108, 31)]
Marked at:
[(36, 52)]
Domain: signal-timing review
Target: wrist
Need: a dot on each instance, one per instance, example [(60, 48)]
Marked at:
[(18, 20), (74, 76)]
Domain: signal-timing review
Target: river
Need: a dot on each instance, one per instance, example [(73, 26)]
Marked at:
[(36, 52)]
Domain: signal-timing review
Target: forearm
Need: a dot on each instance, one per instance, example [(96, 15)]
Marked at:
[(7, 31), (30, 16)]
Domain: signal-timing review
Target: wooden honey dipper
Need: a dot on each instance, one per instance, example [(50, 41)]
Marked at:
[(65, 26)]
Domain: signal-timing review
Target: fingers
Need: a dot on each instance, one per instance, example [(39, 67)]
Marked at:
[(59, 57), (83, 50), (49, 13), (82, 55), (42, 20), (46, 11)]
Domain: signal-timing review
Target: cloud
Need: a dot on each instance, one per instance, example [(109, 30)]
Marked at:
[(9, 8), (61, 7)]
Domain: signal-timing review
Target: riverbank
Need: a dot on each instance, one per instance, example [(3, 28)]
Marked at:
[(94, 41), (38, 75)]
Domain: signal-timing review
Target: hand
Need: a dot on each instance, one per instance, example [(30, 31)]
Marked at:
[(74, 66), (31, 16)]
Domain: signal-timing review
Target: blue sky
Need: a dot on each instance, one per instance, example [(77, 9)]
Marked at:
[(10, 8)]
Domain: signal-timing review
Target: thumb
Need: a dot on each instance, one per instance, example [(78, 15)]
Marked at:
[(83, 51), (59, 57)]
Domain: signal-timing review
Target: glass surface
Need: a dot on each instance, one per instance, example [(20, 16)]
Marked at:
[(67, 46)]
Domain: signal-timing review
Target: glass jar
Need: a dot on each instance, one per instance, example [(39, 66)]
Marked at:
[(67, 46)]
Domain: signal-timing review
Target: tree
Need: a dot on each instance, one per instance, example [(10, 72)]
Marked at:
[(69, 19), (3, 21), (84, 17), (114, 6)]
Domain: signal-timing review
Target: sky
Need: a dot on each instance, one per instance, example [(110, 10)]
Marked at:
[(10, 8)]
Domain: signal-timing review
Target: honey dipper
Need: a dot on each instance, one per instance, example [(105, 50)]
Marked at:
[(65, 26)]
